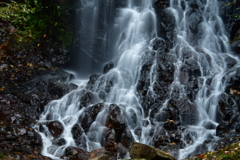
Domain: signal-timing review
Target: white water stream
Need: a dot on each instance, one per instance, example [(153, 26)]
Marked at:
[(135, 29), (209, 50)]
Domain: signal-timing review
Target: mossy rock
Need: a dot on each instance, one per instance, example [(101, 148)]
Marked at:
[(142, 151)]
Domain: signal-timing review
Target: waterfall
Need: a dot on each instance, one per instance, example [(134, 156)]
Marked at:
[(131, 89), (134, 27), (205, 39)]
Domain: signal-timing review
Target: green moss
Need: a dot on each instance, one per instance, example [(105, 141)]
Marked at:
[(1, 156), (231, 152)]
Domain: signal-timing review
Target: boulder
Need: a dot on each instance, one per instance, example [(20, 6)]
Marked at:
[(90, 115), (92, 79), (116, 121), (184, 109), (127, 138), (86, 99), (227, 107), (55, 128), (139, 151), (74, 153), (78, 136)]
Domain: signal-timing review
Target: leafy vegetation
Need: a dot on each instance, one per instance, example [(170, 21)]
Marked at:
[(33, 19), (236, 16), (231, 152), (1, 156)]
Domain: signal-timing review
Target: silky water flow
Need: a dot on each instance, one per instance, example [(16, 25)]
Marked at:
[(135, 29)]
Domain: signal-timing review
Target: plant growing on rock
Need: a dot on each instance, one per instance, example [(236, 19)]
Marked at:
[(19, 15), (33, 19)]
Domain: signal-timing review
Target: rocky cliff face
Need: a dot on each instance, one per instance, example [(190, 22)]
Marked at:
[(180, 110)]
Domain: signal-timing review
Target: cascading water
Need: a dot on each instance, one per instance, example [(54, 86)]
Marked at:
[(200, 45), (206, 43), (135, 27)]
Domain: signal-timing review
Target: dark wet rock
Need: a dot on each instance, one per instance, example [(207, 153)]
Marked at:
[(194, 18), (77, 131), (89, 115), (175, 137), (87, 98), (227, 107), (170, 125), (59, 142), (236, 46), (110, 144), (74, 153), (161, 138), (59, 89), (55, 128), (116, 121), (202, 148), (223, 128), (78, 136), (108, 67), (164, 114), (160, 45), (186, 110), (115, 148), (127, 138), (92, 79), (166, 23), (143, 151), (168, 141), (231, 62), (138, 132), (173, 112), (231, 23), (164, 76), (237, 128), (166, 26), (161, 4), (122, 151)]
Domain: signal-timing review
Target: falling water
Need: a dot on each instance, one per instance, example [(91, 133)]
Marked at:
[(135, 27), (135, 32), (206, 41)]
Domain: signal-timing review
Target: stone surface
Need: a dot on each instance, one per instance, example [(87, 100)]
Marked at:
[(100, 157), (116, 121), (55, 128), (150, 153), (74, 153)]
